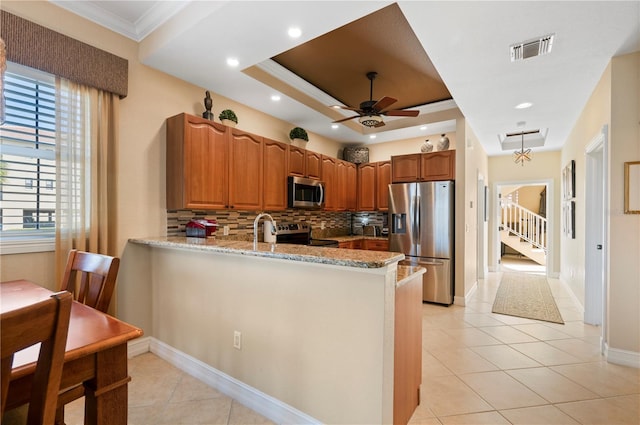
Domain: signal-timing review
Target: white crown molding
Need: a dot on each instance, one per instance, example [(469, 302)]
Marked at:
[(157, 15)]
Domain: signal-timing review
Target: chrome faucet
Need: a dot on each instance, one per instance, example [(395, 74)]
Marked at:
[(255, 227)]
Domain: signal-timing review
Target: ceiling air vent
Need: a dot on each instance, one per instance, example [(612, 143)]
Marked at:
[(531, 48)]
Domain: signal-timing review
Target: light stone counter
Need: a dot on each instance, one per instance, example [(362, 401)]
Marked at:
[(406, 274), (309, 254)]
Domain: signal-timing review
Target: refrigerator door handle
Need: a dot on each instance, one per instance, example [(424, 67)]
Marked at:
[(418, 201), (414, 223)]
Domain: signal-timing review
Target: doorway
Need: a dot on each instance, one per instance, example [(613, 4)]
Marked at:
[(546, 204), (596, 178)]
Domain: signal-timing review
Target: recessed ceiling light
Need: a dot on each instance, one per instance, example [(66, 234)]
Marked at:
[(334, 126), (373, 136), (336, 107), (424, 127), (294, 32), (524, 105), (275, 97), (233, 62)]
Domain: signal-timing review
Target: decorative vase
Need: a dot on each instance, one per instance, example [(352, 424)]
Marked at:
[(426, 146), (229, 123), (443, 143)]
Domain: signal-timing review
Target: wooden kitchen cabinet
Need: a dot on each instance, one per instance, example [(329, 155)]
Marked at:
[(274, 193), (367, 187), (383, 179), (330, 183), (245, 171), (314, 165), (352, 187), (376, 244), (304, 163), (432, 166), (346, 184), (197, 163), (436, 166)]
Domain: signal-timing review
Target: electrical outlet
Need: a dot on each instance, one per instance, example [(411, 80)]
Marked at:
[(225, 230), (237, 340)]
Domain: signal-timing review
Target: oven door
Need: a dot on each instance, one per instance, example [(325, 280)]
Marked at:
[(305, 193)]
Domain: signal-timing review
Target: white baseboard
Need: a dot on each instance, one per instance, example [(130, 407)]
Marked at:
[(138, 346), (462, 301), (573, 297), (265, 405), (622, 357)]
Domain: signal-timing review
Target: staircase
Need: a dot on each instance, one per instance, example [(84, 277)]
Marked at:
[(524, 231)]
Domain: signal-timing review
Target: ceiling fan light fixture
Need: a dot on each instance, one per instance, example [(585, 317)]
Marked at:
[(370, 120)]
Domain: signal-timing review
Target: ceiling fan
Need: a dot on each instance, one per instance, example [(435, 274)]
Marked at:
[(371, 111)]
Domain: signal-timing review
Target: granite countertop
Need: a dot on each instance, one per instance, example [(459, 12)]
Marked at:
[(310, 254), (406, 273)]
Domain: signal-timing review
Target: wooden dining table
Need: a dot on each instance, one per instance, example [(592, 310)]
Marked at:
[(95, 357)]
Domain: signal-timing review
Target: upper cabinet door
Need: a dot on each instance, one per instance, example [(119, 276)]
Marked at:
[(440, 165), (383, 178), (197, 163), (367, 187), (297, 161), (274, 194), (405, 168), (329, 177), (352, 187), (314, 165), (245, 171)]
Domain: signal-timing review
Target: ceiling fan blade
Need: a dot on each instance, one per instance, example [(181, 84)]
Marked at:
[(400, 113), (346, 119), (349, 108), (385, 102)]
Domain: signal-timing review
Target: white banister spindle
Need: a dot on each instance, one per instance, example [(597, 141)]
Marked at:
[(524, 223)]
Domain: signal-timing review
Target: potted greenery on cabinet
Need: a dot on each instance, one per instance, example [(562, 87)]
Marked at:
[(228, 118), (298, 136)]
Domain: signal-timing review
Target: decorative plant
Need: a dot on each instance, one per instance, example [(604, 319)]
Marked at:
[(228, 114), (298, 133)]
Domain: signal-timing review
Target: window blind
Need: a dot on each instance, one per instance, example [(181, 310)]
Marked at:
[(27, 154)]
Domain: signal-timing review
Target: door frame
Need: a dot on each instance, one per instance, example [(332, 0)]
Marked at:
[(551, 220), (596, 231)]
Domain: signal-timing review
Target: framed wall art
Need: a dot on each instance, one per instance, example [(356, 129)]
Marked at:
[(569, 219), (632, 187), (569, 180)]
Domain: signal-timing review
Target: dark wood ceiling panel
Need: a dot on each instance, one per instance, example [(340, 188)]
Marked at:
[(337, 62)]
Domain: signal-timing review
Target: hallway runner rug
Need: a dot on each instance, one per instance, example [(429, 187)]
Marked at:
[(527, 296)]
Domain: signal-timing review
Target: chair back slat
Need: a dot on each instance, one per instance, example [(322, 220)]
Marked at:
[(91, 278), (47, 323)]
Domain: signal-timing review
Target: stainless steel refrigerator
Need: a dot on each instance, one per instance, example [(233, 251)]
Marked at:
[(421, 226)]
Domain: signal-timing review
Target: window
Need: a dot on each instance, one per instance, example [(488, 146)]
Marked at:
[(27, 155)]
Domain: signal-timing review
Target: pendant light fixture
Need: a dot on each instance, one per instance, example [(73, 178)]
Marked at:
[(521, 156)]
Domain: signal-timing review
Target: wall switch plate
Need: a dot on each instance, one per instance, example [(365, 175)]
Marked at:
[(237, 340), (225, 230)]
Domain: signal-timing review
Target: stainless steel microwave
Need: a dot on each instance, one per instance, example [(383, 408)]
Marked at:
[(305, 193)]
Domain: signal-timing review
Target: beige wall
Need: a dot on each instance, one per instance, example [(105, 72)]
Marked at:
[(384, 151), (153, 96), (614, 102), (543, 166)]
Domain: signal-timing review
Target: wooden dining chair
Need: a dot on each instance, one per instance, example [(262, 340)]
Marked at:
[(45, 322), (91, 278)]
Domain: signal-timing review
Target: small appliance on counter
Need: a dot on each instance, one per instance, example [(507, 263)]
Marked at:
[(370, 230), (201, 228)]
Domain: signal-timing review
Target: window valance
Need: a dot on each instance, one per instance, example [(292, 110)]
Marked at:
[(38, 47)]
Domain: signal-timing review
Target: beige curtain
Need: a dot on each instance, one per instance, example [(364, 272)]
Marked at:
[(86, 149)]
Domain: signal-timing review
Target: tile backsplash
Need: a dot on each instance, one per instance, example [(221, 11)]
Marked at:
[(323, 224)]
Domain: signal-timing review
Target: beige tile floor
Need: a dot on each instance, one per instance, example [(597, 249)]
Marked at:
[(478, 368), (485, 368)]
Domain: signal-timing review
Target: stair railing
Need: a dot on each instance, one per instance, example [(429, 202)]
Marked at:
[(524, 223)]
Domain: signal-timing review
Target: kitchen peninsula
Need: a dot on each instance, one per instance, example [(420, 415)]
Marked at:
[(313, 328)]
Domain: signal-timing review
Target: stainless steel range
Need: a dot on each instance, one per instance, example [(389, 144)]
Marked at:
[(300, 234)]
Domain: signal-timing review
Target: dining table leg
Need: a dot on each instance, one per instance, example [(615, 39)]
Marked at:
[(106, 401)]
